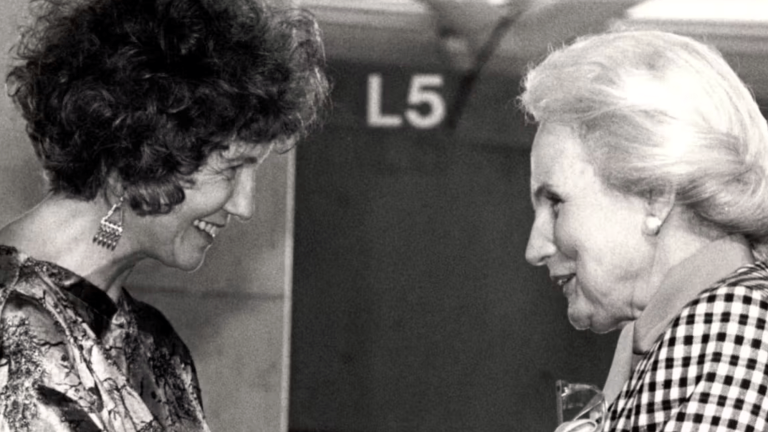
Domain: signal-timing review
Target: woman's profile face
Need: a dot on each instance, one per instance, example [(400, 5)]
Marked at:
[(224, 186), (588, 235)]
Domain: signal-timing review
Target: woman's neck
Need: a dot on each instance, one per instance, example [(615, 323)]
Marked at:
[(679, 239), (60, 230)]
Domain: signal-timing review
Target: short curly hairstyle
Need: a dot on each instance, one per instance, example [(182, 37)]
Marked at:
[(146, 90)]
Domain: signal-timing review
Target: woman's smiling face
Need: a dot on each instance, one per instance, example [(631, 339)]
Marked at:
[(588, 235), (223, 186)]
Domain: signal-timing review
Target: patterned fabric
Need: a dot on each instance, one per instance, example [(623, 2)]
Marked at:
[(74, 360), (709, 370)]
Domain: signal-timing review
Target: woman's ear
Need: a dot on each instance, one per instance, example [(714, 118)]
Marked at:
[(113, 189), (659, 204)]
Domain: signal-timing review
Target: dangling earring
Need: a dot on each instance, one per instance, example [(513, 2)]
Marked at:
[(110, 231), (651, 226)]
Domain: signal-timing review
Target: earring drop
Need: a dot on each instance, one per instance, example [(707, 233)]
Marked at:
[(652, 226), (111, 227)]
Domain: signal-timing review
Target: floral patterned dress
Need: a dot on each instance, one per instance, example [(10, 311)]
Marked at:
[(74, 360)]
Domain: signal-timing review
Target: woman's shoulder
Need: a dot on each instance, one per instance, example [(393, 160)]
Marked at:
[(20, 303), (740, 297), (27, 296), (25, 320), (753, 276), (747, 282)]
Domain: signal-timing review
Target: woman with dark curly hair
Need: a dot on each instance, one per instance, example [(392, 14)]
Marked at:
[(150, 118)]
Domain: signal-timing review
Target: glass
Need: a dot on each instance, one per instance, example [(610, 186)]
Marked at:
[(580, 407)]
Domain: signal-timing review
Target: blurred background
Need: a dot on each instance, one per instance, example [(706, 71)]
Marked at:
[(382, 287)]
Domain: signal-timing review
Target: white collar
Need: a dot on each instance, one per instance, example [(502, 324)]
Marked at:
[(681, 284)]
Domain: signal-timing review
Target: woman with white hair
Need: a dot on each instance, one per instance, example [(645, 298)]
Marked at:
[(648, 182)]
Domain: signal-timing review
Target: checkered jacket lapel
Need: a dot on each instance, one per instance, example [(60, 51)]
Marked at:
[(709, 370)]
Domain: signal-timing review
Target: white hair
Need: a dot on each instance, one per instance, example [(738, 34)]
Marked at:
[(658, 111)]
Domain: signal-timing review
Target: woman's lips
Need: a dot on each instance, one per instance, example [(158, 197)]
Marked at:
[(562, 280), (207, 227)]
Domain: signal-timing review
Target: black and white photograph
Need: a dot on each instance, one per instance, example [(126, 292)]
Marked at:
[(384, 216)]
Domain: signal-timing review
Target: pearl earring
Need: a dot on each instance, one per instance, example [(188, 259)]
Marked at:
[(652, 226)]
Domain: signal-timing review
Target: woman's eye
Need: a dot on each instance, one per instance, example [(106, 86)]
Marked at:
[(230, 172), (555, 202)]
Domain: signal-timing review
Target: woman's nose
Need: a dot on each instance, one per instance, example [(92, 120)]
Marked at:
[(242, 202), (540, 243)]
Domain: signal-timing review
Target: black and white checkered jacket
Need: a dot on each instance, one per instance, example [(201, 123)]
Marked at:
[(709, 370)]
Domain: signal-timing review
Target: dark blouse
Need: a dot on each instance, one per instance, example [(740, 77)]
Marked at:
[(74, 360)]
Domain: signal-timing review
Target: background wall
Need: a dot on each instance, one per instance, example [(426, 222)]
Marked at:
[(234, 314), (414, 309)]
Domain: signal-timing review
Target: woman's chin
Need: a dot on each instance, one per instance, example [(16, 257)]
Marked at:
[(584, 316), (578, 323), (591, 323), (191, 265), (584, 321), (577, 315), (187, 263)]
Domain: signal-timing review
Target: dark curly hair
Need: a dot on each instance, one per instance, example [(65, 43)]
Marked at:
[(146, 90)]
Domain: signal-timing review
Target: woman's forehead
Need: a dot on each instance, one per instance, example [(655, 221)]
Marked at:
[(554, 145), (558, 159)]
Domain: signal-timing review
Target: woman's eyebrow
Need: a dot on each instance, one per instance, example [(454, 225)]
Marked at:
[(251, 159), (244, 160), (542, 191)]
